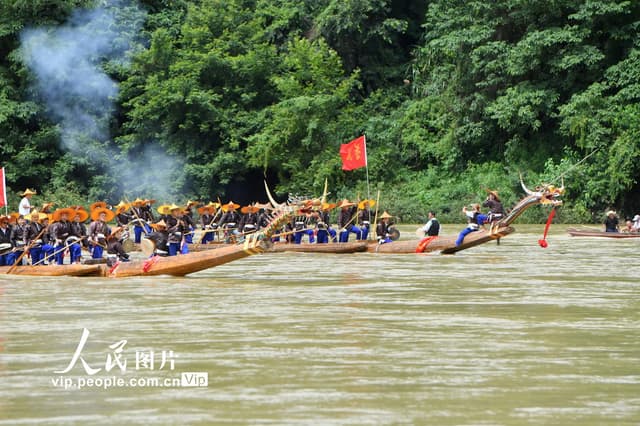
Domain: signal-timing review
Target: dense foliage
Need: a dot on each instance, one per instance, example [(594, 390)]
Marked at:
[(209, 97)]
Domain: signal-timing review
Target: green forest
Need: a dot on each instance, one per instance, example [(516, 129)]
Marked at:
[(205, 99)]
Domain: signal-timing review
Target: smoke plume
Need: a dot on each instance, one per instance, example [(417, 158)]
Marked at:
[(68, 63)]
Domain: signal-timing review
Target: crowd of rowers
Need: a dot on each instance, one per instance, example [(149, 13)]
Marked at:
[(46, 236)]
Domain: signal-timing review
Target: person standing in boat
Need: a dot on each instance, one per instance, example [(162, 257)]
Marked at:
[(475, 219), (432, 227), (24, 208), (189, 220), (6, 245), (636, 223), (138, 213), (611, 223)]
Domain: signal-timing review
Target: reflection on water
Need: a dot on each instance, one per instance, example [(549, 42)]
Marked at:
[(508, 334)]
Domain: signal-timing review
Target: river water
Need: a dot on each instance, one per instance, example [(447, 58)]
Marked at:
[(508, 334)]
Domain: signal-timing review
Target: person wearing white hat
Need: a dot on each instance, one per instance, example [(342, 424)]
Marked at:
[(611, 223), (24, 208), (636, 223)]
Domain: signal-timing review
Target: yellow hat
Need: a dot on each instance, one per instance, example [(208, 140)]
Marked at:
[(29, 192), (363, 202), (385, 215)]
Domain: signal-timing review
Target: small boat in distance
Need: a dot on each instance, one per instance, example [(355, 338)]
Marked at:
[(575, 232)]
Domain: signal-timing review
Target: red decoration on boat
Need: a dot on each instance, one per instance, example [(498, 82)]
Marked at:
[(543, 241)]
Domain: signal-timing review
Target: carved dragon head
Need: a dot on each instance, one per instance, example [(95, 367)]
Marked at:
[(545, 193)]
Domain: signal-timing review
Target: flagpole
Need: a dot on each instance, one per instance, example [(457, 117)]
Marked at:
[(366, 163)]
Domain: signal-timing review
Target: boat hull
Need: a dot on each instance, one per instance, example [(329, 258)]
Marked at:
[(54, 270), (182, 264), (443, 244), (601, 234), (354, 247)]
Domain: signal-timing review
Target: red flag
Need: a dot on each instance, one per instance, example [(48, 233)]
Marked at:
[(354, 154), (3, 189)]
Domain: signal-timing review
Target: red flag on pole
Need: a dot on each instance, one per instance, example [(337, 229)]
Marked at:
[(3, 189), (354, 154)]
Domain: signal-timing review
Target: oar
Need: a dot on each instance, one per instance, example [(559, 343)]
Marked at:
[(375, 218), (26, 250), (59, 250)]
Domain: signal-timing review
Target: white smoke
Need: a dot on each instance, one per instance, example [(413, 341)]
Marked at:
[(68, 63)]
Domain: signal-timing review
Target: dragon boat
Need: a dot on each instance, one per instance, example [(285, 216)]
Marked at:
[(574, 232), (545, 195), (172, 265)]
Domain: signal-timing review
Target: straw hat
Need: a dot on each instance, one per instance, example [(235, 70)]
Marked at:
[(34, 216), (44, 216), (57, 215), (84, 215), (29, 192), (611, 212), (385, 215), (249, 209), (4, 218), (13, 217), (346, 203), (122, 207), (230, 205), (45, 206), (149, 201), (193, 203), (494, 193), (211, 207), (95, 214), (328, 206), (138, 202), (173, 207), (363, 202), (164, 209), (98, 204), (160, 224), (266, 206)]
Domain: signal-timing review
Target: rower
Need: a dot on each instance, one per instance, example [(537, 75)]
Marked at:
[(33, 231), (5, 241), (99, 231), (18, 233), (229, 221), (177, 229), (365, 216)]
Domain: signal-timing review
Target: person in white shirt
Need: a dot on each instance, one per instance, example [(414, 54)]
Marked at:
[(432, 227), (25, 205), (636, 223)]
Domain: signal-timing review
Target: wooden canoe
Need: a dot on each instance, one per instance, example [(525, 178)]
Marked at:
[(54, 270), (443, 244), (183, 264), (353, 247), (593, 233)]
